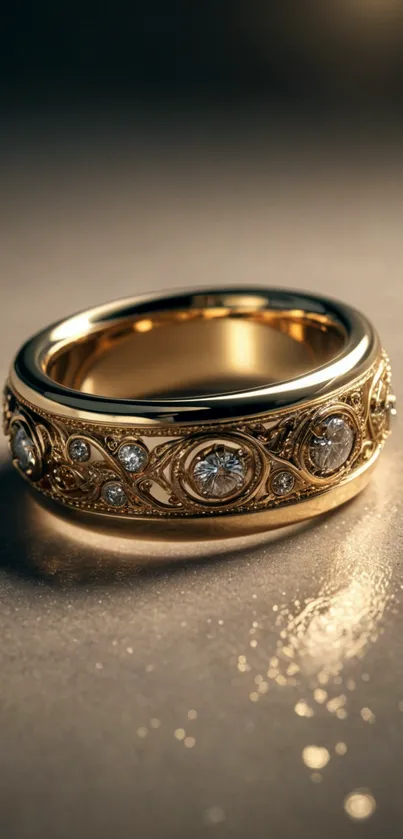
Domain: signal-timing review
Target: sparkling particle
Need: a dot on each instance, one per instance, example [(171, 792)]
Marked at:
[(320, 695), (315, 757), (283, 483), (132, 457), (192, 714), (360, 804), (114, 495), (368, 715), (23, 449), (330, 450), (189, 742), (303, 709), (219, 473), (142, 731), (340, 748), (180, 733), (155, 723), (214, 815), (336, 703), (79, 450)]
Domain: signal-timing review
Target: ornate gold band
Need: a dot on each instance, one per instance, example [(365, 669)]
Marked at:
[(263, 469)]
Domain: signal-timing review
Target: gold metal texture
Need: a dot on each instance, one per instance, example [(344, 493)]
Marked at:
[(202, 405)]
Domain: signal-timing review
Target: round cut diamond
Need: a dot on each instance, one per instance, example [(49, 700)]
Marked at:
[(220, 472), (332, 449), (23, 449), (79, 450), (114, 495), (283, 483), (132, 457)]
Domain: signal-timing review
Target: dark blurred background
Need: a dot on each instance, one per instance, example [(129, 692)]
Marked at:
[(299, 54)]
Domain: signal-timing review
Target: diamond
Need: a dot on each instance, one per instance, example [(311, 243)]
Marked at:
[(114, 495), (23, 449), (79, 450), (391, 407), (283, 483), (332, 449), (132, 457), (220, 472)]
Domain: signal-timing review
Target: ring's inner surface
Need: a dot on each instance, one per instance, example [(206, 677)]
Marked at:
[(194, 352)]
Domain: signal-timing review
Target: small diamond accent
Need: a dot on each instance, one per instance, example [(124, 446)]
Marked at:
[(79, 450), (283, 483), (132, 457), (332, 449), (391, 407), (23, 449), (114, 495), (220, 472)]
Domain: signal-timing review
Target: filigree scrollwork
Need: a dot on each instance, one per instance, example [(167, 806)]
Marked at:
[(234, 467), (172, 471), (381, 402)]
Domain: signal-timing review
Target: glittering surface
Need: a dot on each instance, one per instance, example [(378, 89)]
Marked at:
[(188, 690)]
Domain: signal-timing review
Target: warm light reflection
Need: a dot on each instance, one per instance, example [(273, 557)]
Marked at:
[(333, 371), (74, 327), (63, 546), (144, 325)]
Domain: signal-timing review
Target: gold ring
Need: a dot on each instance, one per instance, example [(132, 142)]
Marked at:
[(230, 411)]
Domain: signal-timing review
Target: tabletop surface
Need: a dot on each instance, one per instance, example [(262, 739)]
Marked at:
[(242, 687)]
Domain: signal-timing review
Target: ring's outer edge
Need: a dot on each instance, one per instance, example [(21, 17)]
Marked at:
[(362, 348)]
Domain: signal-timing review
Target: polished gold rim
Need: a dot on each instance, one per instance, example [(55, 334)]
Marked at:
[(193, 444)]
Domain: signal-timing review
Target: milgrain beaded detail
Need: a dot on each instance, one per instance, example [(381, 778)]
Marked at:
[(279, 463)]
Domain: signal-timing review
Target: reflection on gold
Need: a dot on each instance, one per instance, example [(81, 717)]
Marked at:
[(144, 325)]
